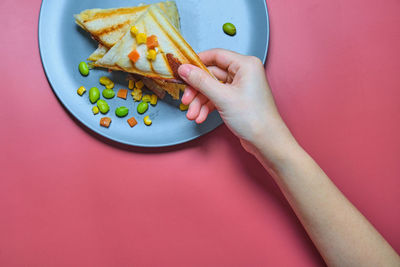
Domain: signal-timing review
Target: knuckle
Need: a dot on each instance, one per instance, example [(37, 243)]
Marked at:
[(218, 50), (254, 60)]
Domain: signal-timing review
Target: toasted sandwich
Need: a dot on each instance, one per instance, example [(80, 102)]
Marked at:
[(158, 60), (108, 26)]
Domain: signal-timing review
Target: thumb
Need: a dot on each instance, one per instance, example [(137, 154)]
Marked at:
[(200, 80)]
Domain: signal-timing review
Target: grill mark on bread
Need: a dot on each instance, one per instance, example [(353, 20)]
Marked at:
[(173, 62), (169, 36), (115, 12), (111, 29), (196, 61)]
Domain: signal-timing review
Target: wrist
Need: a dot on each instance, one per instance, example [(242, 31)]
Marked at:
[(274, 146)]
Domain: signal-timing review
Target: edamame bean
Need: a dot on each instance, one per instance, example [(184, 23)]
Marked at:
[(94, 94), (103, 106), (83, 68), (229, 29), (121, 112), (142, 107), (108, 93)]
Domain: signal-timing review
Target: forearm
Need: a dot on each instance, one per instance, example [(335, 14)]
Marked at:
[(340, 232), (342, 235)]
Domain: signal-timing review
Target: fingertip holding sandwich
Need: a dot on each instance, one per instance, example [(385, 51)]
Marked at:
[(193, 76), (184, 71), (199, 79)]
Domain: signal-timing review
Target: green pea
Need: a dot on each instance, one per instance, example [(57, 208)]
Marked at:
[(94, 94), (142, 107), (108, 93), (229, 29), (121, 112), (103, 106), (83, 68)]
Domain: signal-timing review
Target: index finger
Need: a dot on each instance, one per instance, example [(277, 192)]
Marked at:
[(220, 57)]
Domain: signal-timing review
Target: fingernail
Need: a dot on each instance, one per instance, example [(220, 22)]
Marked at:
[(186, 93), (184, 71)]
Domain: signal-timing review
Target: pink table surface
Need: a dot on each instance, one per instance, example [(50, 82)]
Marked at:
[(69, 198)]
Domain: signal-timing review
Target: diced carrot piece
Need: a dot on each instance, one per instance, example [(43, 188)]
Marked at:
[(105, 122), (132, 122), (134, 56), (152, 42), (122, 93)]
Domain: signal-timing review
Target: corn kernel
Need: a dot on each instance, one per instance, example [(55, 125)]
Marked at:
[(151, 54), (95, 110), (147, 121), (141, 38), (134, 30), (137, 94), (183, 107), (105, 80), (81, 90), (153, 100), (131, 84), (110, 85), (146, 98), (139, 85)]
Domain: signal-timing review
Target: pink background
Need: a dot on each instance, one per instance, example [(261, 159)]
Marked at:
[(68, 198)]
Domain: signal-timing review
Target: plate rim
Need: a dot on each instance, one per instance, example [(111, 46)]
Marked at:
[(108, 136)]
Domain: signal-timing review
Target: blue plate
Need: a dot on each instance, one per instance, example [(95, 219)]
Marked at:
[(63, 45)]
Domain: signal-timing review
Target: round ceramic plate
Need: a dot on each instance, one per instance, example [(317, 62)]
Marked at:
[(63, 45)]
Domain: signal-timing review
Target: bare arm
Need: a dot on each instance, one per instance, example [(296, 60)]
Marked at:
[(340, 232), (343, 236)]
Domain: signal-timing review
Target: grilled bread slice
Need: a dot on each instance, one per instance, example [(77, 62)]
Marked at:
[(172, 50)]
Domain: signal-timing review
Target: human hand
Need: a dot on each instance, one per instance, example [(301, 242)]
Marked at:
[(246, 105), (244, 99)]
